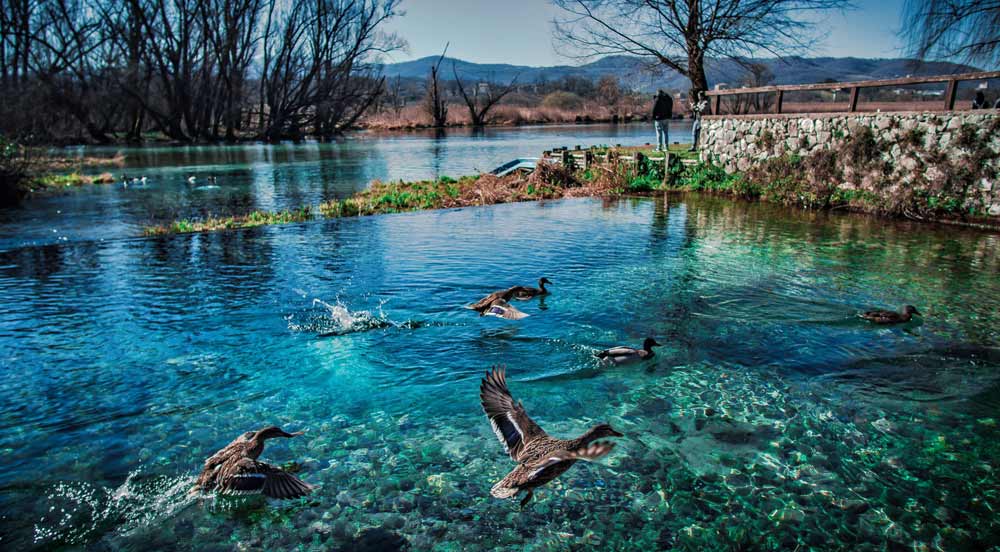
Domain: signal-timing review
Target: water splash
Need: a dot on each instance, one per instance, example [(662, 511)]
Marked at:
[(86, 511), (325, 319)]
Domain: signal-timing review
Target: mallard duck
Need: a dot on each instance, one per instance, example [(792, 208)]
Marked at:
[(483, 305), (235, 469), (539, 458), (890, 317), (526, 292), (621, 355), (503, 309)]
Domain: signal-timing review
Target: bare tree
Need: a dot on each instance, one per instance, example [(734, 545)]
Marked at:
[(484, 95), (72, 58), (681, 35), (609, 92), (756, 75), (434, 102), (966, 29), (318, 67)]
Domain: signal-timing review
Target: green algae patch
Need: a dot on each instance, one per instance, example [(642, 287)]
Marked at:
[(443, 193), (256, 218), (69, 180)]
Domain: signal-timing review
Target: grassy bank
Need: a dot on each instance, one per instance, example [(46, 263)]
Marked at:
[(25, 171), (805, 182), (256, 218), (548, 181)]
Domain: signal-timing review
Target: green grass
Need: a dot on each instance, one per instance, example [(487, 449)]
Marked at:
[(58, 181), (256, 218), (399, 197)]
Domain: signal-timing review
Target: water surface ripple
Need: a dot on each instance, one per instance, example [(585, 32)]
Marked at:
[(772, 418)]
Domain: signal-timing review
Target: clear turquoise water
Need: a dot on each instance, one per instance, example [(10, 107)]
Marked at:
[(772, 418)]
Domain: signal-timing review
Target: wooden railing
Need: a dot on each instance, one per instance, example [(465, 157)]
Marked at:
[(854, 87)]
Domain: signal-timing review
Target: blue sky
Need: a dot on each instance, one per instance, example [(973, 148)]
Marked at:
[(518, 31)]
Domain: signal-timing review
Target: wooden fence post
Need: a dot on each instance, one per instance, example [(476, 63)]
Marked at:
[(949, 95), (777, 101), (854, 99), (718, 105)]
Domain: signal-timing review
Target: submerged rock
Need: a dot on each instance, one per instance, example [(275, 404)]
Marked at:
[(376, 540)]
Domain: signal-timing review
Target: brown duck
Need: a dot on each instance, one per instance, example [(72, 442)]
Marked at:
[(526, 292), (235, 469), (539, 458), (890, 317), (496, 304)]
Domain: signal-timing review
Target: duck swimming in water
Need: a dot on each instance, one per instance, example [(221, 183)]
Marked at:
[(890, 317), (539, 458), (621, 355), (526, 292), (235, 469)]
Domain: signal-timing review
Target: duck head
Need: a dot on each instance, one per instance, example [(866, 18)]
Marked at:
[(271, 432), (649, 343), (542, 281), (602, 430), (911, 310)]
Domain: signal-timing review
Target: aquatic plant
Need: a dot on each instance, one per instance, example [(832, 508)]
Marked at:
[(256, 218)]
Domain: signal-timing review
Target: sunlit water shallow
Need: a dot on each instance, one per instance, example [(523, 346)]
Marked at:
[(285, 176), (772, 419)]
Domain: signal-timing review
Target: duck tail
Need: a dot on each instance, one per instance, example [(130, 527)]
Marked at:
[(502, 490)]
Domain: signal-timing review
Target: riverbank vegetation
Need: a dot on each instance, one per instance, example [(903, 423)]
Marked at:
[(25, 171), (256, 218), (808, 182)]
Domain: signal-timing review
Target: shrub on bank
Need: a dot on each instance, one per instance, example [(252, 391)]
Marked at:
[(13, 171)]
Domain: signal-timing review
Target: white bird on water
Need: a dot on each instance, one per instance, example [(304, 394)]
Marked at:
[(191, 179)]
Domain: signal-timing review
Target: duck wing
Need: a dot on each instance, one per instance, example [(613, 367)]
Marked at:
[(512, 425), (589, 453), (553, 465), (247, 476), (485, 301), (503, 309), (281, 484), (232, 449)]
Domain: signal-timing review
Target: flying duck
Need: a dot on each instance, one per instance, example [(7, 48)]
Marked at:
[(539, 458), (503, 309), (525, 292), (890, 317), (235, 470), (621, 355), (504, 295)]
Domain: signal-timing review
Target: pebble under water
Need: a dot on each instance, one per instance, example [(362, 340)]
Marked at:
[(773, 418)]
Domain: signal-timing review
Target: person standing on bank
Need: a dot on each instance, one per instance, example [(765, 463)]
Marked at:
[(696, 111), (663, 111), (979, 102)]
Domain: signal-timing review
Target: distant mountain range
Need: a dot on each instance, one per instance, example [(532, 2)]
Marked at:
[(634, 73)]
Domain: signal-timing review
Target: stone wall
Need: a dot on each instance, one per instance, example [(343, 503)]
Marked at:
[(909, 142)]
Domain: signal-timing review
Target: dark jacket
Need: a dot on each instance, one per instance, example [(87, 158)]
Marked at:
[(663, 107)]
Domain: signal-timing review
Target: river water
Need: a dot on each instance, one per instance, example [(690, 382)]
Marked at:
[(771, 418), (287, 176)]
